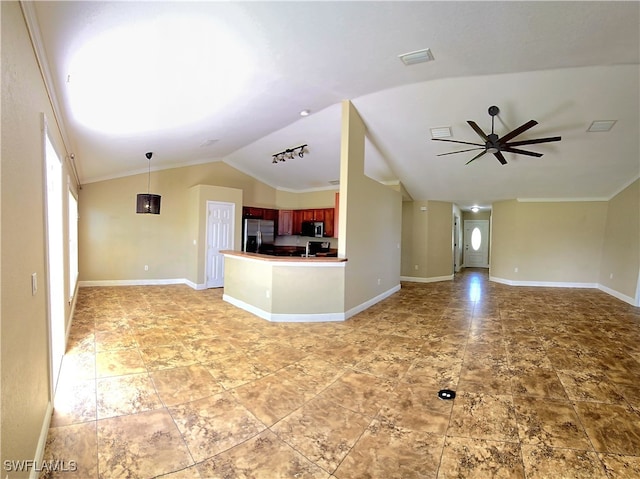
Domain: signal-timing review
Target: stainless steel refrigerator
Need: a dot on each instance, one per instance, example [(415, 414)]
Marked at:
[(259, 236)]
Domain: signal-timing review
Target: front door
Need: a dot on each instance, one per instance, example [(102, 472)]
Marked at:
[(476, 243), (219, 237)]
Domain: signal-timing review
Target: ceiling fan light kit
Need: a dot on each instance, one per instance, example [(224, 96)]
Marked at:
[(147, 203), (496, 145)]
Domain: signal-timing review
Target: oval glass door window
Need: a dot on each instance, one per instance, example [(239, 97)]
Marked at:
[(476, 239)]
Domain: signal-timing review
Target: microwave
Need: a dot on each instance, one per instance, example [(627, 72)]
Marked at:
[(314, 229)]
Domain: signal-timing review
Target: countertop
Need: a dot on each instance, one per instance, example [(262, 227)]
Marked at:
[(284, 259)]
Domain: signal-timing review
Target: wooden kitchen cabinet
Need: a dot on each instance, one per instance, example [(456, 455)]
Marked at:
[(326, 215), (328, 218), (269, 214), (252, 212), (308, 215), (285, 222), (259, 213), (296, 222)]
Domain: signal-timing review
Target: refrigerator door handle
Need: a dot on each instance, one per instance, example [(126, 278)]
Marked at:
[(259, 238)]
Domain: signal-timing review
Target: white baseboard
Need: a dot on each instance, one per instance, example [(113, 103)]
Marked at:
[(367, 304), (42, 441), (434, 279), (284, 318), (196, 286), (135, 282), (543, 284), (312, 317), (563, 284), (619, 295)]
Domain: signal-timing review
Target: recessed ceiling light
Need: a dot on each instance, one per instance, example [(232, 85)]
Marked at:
[(475, 209), (602, 125), (419, 56), (208, 143), (441, 132), (305, 113)]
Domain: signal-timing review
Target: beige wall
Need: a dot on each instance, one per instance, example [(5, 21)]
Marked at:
[(505, 250), (370, 220), (25, 376), (282, 291), (621, 249), (116, 243), (548, 242), (312, 199), (427, 240)]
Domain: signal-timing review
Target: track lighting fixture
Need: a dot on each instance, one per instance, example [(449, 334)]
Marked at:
[(146, 203), (288, 154)]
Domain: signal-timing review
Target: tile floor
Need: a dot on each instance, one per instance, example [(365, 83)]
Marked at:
[(168, 381)]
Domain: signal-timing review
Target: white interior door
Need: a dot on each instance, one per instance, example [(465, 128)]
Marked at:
[(219, 237), (476, 243)]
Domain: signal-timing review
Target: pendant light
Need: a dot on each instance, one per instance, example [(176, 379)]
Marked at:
[(146, 202)]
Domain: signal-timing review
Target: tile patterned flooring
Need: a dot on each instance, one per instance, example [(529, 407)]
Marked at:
[(168, 381)]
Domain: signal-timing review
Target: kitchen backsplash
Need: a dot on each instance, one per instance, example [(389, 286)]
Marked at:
[(295, 240)]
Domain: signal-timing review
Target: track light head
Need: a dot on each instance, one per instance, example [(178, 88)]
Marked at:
[(148, 155)]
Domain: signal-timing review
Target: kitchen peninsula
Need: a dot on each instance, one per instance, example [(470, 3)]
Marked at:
[(285, 288)]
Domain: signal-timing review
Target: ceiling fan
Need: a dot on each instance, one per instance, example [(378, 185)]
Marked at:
[(494, 144)]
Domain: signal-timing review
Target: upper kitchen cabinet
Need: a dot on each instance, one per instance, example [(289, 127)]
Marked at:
[(329, 230), (259, 213), (269, 214), (251, 212), (285, 222)]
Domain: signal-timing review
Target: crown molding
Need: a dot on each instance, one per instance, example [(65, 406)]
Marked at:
[(33, 28)]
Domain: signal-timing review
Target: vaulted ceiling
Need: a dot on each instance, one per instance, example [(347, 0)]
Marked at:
[(197, 82)]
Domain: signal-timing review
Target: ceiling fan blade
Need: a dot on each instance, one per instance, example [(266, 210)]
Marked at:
[(461, 151), (456, 141), (500, 157), (520, 152), (478, 130), (521, 129), (533, 142), (476, 157)]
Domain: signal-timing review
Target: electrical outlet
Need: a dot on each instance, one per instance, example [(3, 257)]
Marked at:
[(610, 275), (415, 267), (378, 280), (515, 270), (146, 267), (268, 294)]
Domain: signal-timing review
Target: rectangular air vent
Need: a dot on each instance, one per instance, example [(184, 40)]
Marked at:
[(441, 132), (419, 56), (602, 125)]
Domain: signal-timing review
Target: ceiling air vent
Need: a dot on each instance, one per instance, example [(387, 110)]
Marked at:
[(419, 56), (602, 125), (208, 143), (441, 132)]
